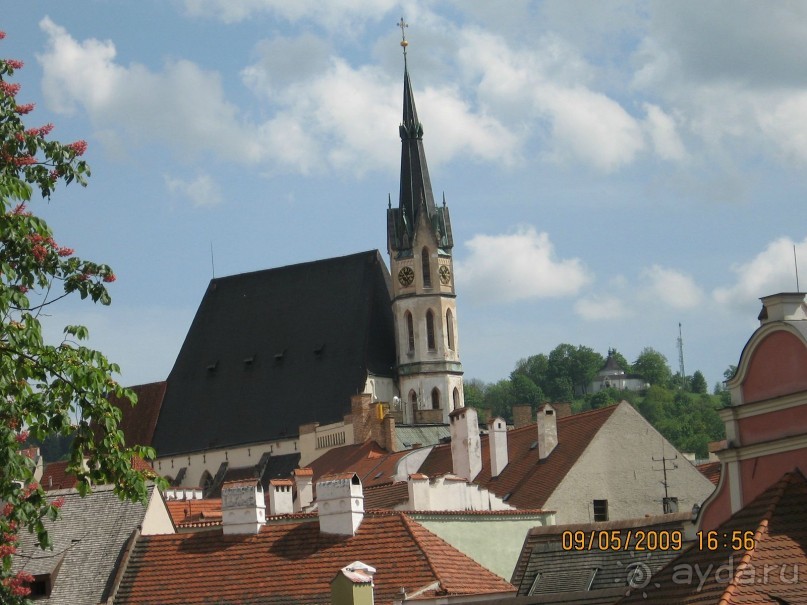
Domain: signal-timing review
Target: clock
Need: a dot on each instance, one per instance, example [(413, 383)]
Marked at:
[(445, 275), (406, 276)]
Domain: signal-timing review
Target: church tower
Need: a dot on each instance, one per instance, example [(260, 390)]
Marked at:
[(419, 242)]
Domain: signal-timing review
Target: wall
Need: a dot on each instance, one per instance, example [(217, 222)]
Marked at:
[(618, 466), (157, 520), (492, 540)]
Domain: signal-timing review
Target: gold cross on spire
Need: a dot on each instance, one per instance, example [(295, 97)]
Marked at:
[(403, 25)]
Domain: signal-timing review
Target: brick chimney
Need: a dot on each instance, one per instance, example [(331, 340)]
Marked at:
[(522, 415), (786, 306), (547, 430), (340, 504), (280, 497), (353, 585), (497, 440), (466, 448), (243, 510), (304, 482)]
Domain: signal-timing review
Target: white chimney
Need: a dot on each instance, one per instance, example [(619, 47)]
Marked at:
[(547, 430), (280, 498), (466, 448), (786, 306), (497, 440), (340, 504), (418, 488), (243, 510), (304, 482)]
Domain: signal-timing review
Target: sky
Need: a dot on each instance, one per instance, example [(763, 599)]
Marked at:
[(613, 169)]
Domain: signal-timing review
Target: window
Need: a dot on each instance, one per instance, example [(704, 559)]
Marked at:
[(456, 396), (427, 274), (413, 399), (410, 332), (435, 398), (450, 329), (600, 510), (430, 329)]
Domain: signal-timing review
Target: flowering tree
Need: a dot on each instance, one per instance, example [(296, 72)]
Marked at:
[(45, 389)]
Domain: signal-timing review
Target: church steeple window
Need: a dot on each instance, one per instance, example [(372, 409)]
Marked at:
[(430, 330), (456, 396), (410, 332), (435, 398), (450, 329), (427, 274)]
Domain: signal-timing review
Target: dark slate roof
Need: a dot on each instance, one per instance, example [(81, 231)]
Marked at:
[(274, 349), (88, 541)]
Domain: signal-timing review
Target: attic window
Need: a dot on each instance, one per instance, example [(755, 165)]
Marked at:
[(378, 474), (507, 496), (248, 361), (279, 356), (600, 510), (533, 445), (211, 367), (319, 350)]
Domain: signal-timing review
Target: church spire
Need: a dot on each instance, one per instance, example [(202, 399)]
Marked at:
[(416, 196)]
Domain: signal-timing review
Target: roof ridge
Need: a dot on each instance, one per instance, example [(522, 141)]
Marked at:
[(407, 523)]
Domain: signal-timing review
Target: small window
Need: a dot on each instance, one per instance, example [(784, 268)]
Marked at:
[(410, 332), (450, 329), (456, 396), (435, 398), (427, 274), (430, 330), (600, 510), (413, 399)]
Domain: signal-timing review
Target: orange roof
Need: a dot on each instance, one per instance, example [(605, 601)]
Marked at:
[(55, 476), (138, 422), (528, 480), (386, 496), (710, 470), (767, 573), (184, 512), (371, 463), (294, 563)]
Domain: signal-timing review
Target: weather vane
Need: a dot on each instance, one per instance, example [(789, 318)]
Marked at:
[(403, 25)]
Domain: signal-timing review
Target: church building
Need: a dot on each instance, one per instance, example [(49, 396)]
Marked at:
[(279, 361)]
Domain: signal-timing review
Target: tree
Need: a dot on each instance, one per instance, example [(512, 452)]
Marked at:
[(474, 393), (571, 368), (48, 389), (653, 367), (698, 383)]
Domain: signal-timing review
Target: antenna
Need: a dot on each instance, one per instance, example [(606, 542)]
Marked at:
[(667, 502), (212, 264), (681, 358), (796, 263)]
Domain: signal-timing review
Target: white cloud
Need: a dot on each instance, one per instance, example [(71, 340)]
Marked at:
[(202, 191), (670, 287), (183, 105), (662, 130), (601, 307), (769, 272), (517, 266)]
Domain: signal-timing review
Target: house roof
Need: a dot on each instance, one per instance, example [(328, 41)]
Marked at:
[(88, 539), (373, 464), (294, 563), (528, 480), (270, 350), (406, 435), (56, 477), (710, 470), (546, 567), (138, 422), (762, 574), (386, 496)]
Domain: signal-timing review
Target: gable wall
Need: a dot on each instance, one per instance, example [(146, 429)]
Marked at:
[(618, 466)]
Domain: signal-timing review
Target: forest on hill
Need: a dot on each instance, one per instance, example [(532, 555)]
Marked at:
[(680, 407)]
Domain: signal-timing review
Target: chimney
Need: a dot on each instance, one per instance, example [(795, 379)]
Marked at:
[(388, 432), (340, 504), (418, 490), (547, 430), (466, 449), (353, 585), (522, 415), (280, 498), (786, 306), (304, 482), (362, 421), (243, 510), (497, 440)]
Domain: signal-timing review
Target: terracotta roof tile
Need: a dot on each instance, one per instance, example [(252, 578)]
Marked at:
[(777, 521), (373, 465), (138, 422), (528, 480), (294, 563), (710, 470), (386, 496), (55, 476)]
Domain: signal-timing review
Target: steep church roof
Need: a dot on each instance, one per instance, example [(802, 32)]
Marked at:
[(270, 350)]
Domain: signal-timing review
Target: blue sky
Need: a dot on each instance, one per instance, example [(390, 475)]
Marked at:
[(612, 169)]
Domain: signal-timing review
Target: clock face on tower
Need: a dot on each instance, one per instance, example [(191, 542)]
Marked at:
[(406, 276), (445, 275)]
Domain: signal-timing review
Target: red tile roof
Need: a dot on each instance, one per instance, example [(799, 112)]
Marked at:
[(710, 470), (373, 464), (138, 422), (55, 476), (386, 496), (767, 573), (294, 563), (528, 480), (184, 512)]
